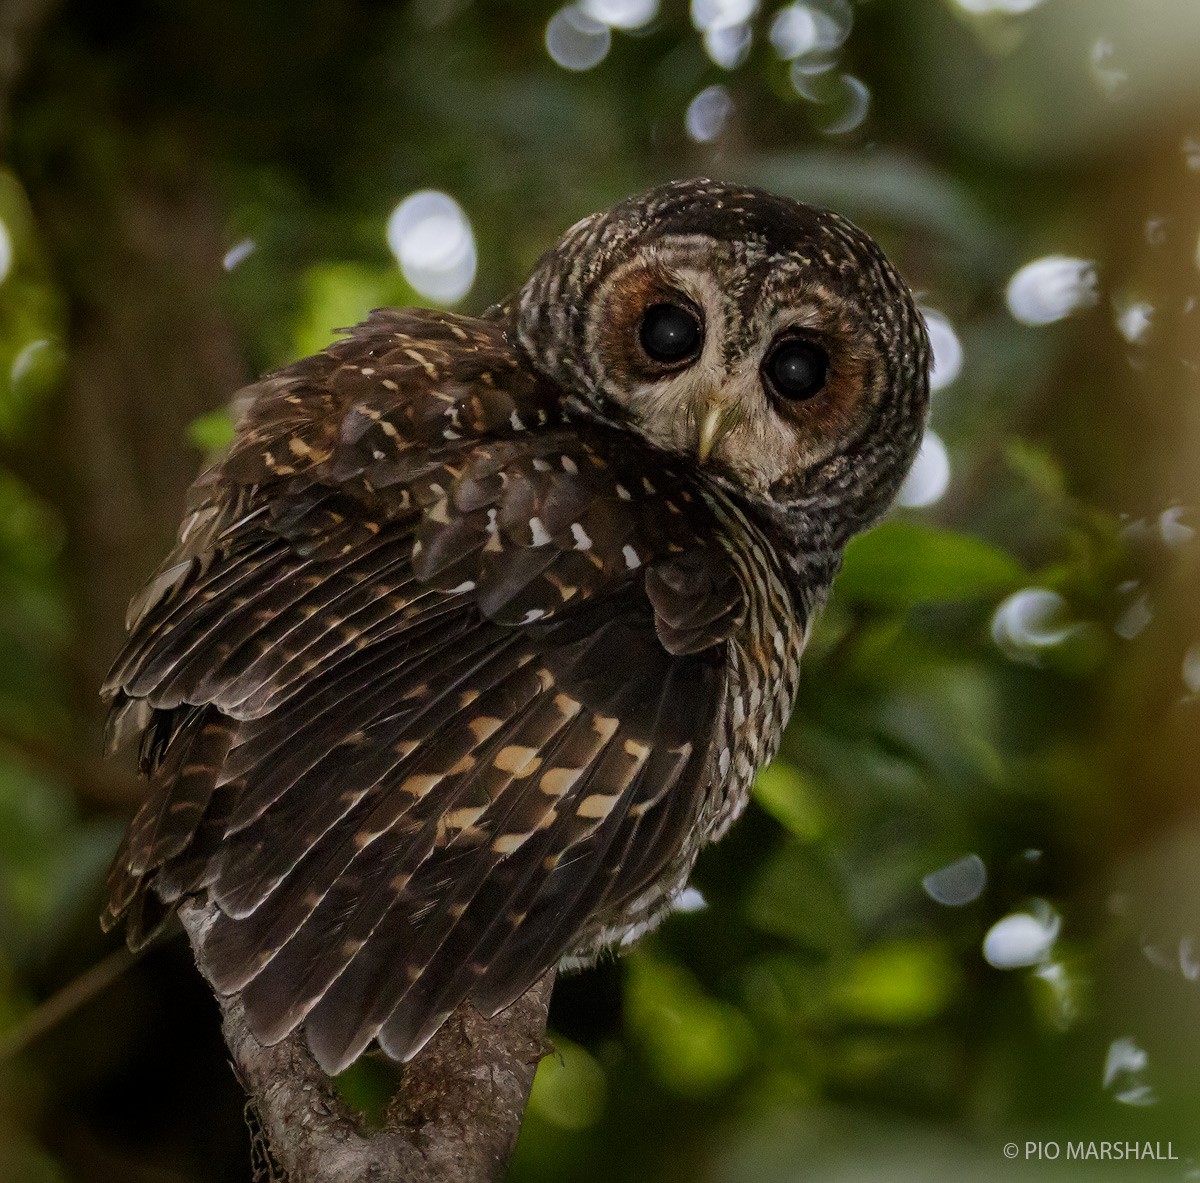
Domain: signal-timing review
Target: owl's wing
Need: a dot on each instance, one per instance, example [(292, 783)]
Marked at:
[(429, 680)]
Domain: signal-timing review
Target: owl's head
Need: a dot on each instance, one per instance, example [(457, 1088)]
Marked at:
[(768, 341)]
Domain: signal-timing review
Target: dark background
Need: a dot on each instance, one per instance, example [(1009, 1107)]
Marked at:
[(824, 1017)]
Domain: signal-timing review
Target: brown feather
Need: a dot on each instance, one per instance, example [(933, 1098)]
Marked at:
[(429, 704)]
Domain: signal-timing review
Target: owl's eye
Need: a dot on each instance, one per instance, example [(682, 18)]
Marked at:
[(670, 334), (795, 369)]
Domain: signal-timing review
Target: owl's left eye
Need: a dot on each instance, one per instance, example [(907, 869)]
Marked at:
[(670, 334), (795, 369)]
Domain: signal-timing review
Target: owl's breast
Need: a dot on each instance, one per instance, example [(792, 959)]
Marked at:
[(764, 671)]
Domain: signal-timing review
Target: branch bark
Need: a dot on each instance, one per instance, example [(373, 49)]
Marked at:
[(455, 1118)]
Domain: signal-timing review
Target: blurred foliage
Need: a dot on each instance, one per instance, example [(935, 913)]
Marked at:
[(1010, 671)]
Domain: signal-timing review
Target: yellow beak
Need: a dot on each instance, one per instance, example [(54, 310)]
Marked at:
[(715, 424)]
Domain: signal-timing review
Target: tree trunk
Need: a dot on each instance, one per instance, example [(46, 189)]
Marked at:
[(455, 1118)]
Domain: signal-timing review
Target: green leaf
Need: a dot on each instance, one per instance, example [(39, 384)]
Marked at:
[(901, 981), (903, 563), (338, 295), (212, 432), (800, 896), (367, 1086), (569, 1088), (695, 1043), (791, 799)]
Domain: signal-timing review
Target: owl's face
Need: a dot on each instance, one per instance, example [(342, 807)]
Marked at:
[(769, 342)]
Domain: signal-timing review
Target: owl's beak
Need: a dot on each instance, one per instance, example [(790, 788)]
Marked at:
[(713, 427)]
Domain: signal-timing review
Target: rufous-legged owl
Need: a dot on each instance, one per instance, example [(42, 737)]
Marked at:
[(482, 626)]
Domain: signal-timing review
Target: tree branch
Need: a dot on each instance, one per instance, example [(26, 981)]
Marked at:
[(455, 1118)]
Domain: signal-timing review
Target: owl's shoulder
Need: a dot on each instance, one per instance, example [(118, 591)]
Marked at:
[(434, 424), (404, 379)]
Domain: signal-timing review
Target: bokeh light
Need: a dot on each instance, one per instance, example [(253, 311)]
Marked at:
[(26, 359), (815, 81), (1022, 939), (929, 476), (238, 253), (1006, 7), (805, 29), (1134, 620), (725, 29), (845, 105), (6, 251), (708, 113), (576, 40), (690, 899), (1109, 75), (1191, 669), (1051, 288), (1133, 319), (947, 349), (621, 14), (718, 14), (1032, 620), (958, 883), (1172, 528), (433, 242), (1124, 1070), (728, 45)]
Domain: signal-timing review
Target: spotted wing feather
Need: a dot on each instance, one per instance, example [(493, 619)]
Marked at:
[(431, 680)]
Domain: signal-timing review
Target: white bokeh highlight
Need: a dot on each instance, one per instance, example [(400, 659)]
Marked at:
[(1124, 1066), (808, 29), (1133, 320), (849, 107), (1135, 619), (708, 113), (958, 883), (6, 252), (238, 253), (1031, 621), (1022, 939), (929, 476), (689, 899), (620, 14), (575, 40), (1109, 75), (1189, 964), (716, 14), (725, 29), (1052, 288), (947, 349), (814, 80), (434, 244), (1191, 669), (1003, 7), (728, 45), (1172, 529), (26, 359)]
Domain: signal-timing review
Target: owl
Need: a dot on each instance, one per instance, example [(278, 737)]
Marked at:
[(482, 626)]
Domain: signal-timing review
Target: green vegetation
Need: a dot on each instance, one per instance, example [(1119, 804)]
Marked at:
[(1009, 671)]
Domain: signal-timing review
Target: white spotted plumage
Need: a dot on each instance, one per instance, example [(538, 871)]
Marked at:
[(483, 626)]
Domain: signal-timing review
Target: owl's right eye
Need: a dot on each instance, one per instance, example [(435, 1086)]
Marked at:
[(670, 334)]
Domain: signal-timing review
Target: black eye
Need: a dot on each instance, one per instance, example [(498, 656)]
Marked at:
[(795, 369), (669, 333)]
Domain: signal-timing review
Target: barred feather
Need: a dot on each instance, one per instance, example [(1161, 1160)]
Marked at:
[(431, 688)]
